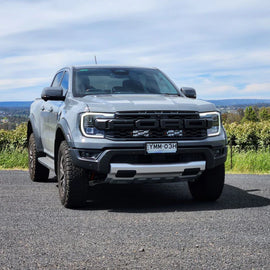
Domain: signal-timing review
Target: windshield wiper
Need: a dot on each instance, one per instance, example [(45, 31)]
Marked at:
[(170, 94)]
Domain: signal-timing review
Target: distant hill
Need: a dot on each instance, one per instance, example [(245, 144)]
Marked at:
[(219, 102), (239, 102), (17, 104)]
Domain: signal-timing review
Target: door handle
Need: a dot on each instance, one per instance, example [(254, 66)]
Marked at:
[(51, 109), (42, 108)]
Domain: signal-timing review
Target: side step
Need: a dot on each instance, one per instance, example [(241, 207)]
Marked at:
[(47, 162)]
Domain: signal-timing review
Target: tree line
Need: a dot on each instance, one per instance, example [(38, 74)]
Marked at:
[(251, 113), (247, 129)]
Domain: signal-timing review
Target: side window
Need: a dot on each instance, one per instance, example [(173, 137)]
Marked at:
[(64, 83), (57, 79)]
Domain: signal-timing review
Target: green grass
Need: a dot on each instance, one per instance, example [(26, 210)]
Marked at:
[(249, 162), (13, 159)]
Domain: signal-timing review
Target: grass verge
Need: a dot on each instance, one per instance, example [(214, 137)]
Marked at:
[(13, 159), (249, 162)]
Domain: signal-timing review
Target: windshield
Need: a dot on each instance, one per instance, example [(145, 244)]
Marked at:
[(100, 81)]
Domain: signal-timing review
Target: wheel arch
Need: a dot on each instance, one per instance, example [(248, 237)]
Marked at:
[(62, 134), (29, 130), (32, 128)]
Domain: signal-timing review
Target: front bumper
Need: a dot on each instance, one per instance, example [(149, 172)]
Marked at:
[(135, 165), (138, 173)]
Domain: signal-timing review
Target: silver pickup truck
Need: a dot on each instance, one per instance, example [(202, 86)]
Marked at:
[(117, 124)]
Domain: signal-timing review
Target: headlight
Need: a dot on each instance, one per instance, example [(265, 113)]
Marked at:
[(87, 124), (216, 122)]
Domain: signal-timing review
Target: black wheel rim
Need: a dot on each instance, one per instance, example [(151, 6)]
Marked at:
[(62, 177)]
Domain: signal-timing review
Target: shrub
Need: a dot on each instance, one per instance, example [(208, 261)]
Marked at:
[(249, 135), (14, 139)]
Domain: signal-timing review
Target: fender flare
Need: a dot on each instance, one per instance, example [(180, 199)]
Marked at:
[(65, 132), (32, 122), (64, 127)]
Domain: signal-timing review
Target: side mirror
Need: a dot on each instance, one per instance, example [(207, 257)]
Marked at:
[(189, 92), (52, 93)]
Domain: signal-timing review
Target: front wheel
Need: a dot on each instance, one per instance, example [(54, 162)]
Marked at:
[(72, 181), (209, 186)]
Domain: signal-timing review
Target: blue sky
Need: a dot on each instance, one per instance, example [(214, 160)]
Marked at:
[(221, 48)]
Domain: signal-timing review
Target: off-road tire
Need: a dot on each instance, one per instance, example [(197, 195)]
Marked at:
[(38, 172), (209, 186), (72, 181)]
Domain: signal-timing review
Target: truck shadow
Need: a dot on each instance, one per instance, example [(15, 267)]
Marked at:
[(167, 198)]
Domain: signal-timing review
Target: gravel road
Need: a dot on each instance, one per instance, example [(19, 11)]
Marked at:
[(125, 227)]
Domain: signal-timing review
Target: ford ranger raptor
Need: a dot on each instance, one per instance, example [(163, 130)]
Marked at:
[(118, 124)]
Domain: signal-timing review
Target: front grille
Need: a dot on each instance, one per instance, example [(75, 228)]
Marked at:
[(157, 114), (157, 134), (162, 125)]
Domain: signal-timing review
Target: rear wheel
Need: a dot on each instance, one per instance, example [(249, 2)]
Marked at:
[(38, 172), (72, 180), (209, 186)]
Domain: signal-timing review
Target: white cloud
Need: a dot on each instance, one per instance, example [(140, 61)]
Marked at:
[(21, 16), (219, 47), (21, 83), (257, 89)]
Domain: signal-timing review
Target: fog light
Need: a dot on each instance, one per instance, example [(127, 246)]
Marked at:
[(218, 152), (87, 154)]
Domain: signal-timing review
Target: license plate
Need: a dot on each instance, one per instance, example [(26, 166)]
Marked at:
[(158, 148)]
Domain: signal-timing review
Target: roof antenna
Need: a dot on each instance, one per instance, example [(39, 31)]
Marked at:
[(96, 60)]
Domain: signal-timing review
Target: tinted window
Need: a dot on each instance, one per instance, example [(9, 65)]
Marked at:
[(64, 82), (57, 79), (95, 81)]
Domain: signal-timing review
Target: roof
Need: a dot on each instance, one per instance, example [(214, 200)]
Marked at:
[(111, 66), (103, 66)]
